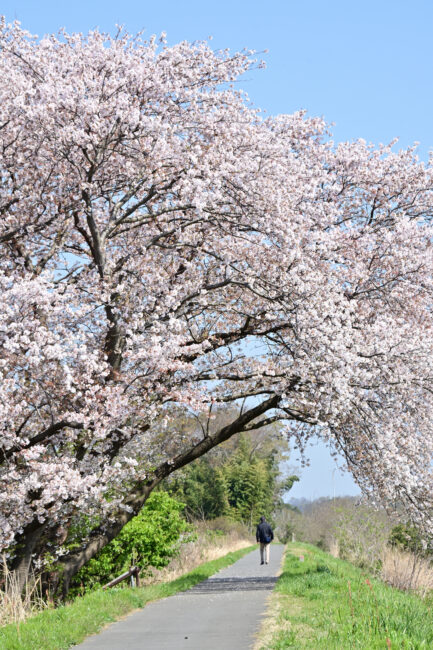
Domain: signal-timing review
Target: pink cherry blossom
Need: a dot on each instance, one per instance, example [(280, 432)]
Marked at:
[(165, 248)]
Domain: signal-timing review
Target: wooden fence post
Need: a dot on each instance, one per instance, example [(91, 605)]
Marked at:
[(133, 573)]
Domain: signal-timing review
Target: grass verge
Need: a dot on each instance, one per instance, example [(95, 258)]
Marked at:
[(325, 603), (61, 628)]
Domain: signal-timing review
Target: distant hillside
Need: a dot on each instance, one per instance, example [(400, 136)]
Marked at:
[(305, 505)]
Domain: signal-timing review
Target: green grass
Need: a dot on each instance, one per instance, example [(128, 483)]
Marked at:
[(55, 629), (325, 603)]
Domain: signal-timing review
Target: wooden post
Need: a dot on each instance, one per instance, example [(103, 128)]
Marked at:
[(133, 571)]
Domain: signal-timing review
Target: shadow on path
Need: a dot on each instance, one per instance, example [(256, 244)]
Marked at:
[(220, 585)]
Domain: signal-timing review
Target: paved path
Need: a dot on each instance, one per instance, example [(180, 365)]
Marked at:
[(222, 612)]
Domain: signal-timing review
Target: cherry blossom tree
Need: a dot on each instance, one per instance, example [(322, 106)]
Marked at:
[(165, 249)]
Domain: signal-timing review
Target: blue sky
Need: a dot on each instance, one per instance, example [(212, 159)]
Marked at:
[(365, 66)]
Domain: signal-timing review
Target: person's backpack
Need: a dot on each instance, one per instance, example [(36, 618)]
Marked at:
[(267, 538)]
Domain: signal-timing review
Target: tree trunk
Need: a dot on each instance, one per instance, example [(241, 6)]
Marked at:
[(26, 545)]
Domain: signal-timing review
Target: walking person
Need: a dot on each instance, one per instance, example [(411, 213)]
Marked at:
[(264, 535)]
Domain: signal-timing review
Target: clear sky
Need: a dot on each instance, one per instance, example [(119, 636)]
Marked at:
[(365, 66)]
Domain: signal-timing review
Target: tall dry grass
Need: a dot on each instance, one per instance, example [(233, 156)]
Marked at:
[(407, 571), (17, 605)]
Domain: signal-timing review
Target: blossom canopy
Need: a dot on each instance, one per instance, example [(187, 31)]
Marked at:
[(165, 248)]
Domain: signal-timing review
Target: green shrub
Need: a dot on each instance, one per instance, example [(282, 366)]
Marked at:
[(151, 539), (407, 537)]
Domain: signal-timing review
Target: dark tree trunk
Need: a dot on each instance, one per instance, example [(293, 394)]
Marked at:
[(26, 545)]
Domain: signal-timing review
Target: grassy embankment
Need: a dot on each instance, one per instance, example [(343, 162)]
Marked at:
[(325, 603), (55, 629)]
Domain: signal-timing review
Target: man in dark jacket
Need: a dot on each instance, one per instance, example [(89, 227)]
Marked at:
[(264, 535)]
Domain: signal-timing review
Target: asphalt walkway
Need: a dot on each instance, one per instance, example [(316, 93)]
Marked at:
[(224, 611)]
